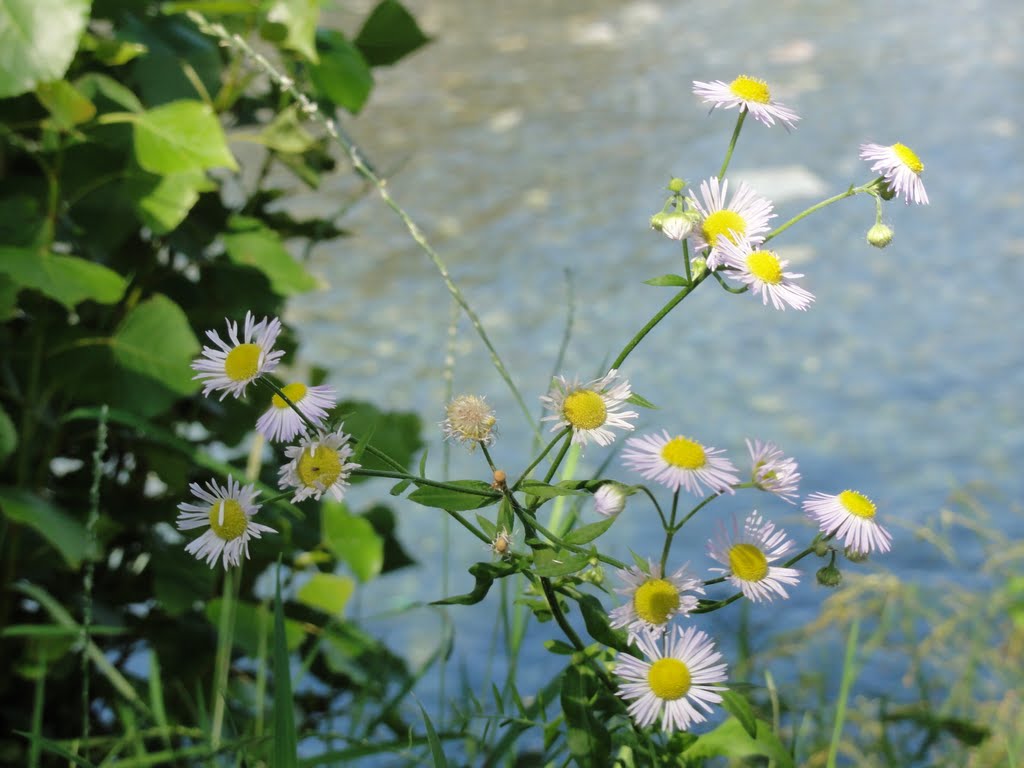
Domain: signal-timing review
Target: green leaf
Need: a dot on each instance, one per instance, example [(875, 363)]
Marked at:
[(553, 563), (180, 136), (436, 753), (453, 500), (485, 574), (94, 84), (643, 402), (113, 53), (730, 739), (587, 738), (62, 531), (285, 740), (251, 621), (490, 529), (156, 340), (546, 491), (352, 539), (389, 33), (587, 533), (38, 40), (669, 280), (65, 279), (285, 133), (342, 76), (250, 243), (163, 202), (298, 20), (66, 104), (8, 436), (737, 705), (327, 592), (598, 625)]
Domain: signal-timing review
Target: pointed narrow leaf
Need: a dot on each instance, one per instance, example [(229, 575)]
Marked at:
[(62, 531), (436, 753), (548, 562), (587, 533), (454, 500), (737, 705), (389, 33), (285, 741), (669, 280), (485, 574), (65, 279)]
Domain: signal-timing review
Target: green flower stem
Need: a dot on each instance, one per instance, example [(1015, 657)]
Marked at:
[(38, 700), (222, 665), (424, 481), (90, 565), (817, 207), (539, 459), (364, 169), (654, 501), (695, 510), (530, 522), (656, 319), (670, 531), (470, 527), (732, 143), (558, 459), (849, 674), (487, 456)]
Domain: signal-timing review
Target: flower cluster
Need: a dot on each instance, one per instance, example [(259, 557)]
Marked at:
[(319, 463)]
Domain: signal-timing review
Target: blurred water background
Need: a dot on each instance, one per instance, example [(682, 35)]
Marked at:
[(535, 138)]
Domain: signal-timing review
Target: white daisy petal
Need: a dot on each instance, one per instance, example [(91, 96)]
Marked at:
[(230, 368), (280, 422), (747, 556), (680, 462), (850, 517), (653, 599), (743, 220), (773, 471), (764, 272), (900, 168), (318, 465), (227, 511), (592, 410), (747, 93)]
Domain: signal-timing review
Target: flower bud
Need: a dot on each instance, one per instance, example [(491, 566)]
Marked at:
[(854, 556), (829, 576), (609, 500), (880, 235), (698, 266), (676, 226), (676, 185), (821, 547), (658, 220)]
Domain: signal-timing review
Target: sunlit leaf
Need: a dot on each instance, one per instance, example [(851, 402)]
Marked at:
[(353, 540), (327, 592), (38, 39), (249, 242), (156, 340), (298, 18), (57, 527), (66, 279), (180, 136)]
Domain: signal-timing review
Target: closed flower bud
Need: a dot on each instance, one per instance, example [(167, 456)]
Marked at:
[(821, 547), (676, 185), (829, 576), (609, 500), (676, 226), (880, 235), (658, 220)]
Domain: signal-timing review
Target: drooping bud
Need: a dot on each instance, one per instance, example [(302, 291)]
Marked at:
[(880, 235), (676, 226), (609, 500), (829, 576)]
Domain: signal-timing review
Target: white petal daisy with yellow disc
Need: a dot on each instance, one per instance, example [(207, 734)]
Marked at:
[(280, 422), (773, 471), (226, 511), (765, 274), (680, 462), (591, 410), (677, 679), (653, 600), (318, 465), (231, 367), (850, 517), (744, 219), (748, 556), (747, 93), (900, 167)]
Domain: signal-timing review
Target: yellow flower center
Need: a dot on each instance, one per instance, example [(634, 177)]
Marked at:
[(584, 409), (684, 454), (747, 562), (750, 89), (669, 679), (908, 158), (322, 466), (655, 600), (765, 266), (294, 392), (857, 504), (243, 362), (724, 223), (227, 519)]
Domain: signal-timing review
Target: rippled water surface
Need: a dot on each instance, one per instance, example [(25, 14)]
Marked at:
[(534, 139)]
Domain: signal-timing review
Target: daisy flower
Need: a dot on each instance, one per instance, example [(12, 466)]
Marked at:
[(281, 423), (233, 366), (764, 272), (750, 94), (228, 511), (653, 598), (318, 466), (744, 219), (773, 471), (678, 676), (591, 409), (900, 168), (747, 556), (850, 516), (679, 461), (469, 420), (609, 500)]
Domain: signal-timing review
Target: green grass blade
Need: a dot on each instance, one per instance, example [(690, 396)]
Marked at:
[(436, 753), (849, 674), (285, 740)]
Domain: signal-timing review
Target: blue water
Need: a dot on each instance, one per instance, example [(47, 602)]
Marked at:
[(534, 138)]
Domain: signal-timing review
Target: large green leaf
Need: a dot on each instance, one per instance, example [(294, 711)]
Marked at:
[(478, 494), (327, 592), (342, 76), (296, 20), (389, 33), (730, 739), (249, 242), (66, 279), (38, 39), (163, 202), (586, 737), (180, 136), (251, 621), (155, 340), (66, 104), (353, 540), (65, 533)]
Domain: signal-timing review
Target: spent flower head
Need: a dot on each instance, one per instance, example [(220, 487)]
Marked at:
[(591, 410), (318, 465), (773, 471), (901, 169), (653, 600), (231, 367), (743, 220), (747, 93), (765, 274), (679, 674), (850, 517), (748, 556), (470, 421), (680, 462), (280, 422), (226, 511)]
